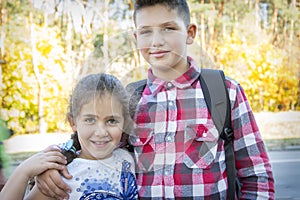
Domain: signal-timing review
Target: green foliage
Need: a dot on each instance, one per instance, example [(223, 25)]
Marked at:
[(4, 134), (19, 93), (265, 73)]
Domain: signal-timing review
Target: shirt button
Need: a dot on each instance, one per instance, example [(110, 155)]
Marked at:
[(204, 134), (169, 138), (170, 103), (169, 84)]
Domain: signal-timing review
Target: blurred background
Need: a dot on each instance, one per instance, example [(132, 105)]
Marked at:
[(46, 46)]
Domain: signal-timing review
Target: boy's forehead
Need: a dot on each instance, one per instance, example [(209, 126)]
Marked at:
[(156, 15)]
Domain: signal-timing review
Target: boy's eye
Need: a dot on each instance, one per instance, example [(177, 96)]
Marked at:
[(169, 29), (144, 31)]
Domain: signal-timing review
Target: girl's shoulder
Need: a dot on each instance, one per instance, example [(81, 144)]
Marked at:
[(123, 154)]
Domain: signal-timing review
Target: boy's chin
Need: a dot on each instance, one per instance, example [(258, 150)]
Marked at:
[(160, 64), (161, 68)]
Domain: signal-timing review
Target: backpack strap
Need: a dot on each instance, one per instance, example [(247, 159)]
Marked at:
[(135, 91), (218, 103)]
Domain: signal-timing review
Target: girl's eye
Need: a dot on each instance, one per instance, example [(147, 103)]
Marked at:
[(90, 120), (112, 122)]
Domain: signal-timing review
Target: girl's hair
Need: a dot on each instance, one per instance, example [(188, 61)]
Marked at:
[(95, 86), (180, 5)]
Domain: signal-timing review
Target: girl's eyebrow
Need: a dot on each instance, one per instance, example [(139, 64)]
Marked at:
[(115, 116), (89, 115)]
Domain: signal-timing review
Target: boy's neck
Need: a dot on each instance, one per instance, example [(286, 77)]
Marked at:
[(170, 74)]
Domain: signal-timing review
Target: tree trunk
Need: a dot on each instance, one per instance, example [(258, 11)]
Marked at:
[(220, 15), (105, 34), (274, 23), (202, 31), (3, 20), (284, 31), (257, 18), (41, 118), (291, 37)]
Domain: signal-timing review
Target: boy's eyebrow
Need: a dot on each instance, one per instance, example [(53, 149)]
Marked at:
[(161, 25), (169, 23), (143, 27)]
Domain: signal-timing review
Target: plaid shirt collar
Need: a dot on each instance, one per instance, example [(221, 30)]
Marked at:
[(185, 80)]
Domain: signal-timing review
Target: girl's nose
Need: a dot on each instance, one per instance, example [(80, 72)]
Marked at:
[(101, 130)]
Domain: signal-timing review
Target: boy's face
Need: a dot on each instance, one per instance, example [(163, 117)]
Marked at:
[(162, 38)]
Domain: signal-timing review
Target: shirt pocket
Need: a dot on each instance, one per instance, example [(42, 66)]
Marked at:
[(144, 148), (201, 142)]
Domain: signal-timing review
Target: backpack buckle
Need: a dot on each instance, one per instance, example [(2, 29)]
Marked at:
[(227, 135)]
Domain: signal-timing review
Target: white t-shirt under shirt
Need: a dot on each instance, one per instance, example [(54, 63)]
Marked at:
[(111, 178)]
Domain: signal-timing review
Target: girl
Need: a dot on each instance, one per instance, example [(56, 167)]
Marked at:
[(98, 115)]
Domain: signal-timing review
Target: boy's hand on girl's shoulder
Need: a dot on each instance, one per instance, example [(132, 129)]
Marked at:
[(65, 173), (50, 183)]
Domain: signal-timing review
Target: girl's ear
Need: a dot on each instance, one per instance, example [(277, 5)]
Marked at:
[(191, 33), (72, 123)]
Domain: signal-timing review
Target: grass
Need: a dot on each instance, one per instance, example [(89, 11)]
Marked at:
[(282, 144)]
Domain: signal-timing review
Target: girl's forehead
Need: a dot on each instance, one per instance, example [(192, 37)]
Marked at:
[(103, 104), (104, 99)]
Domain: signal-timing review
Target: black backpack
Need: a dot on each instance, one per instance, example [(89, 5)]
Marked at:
[(218, 103)]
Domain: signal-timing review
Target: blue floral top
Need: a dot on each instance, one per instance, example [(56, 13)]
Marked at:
[(110, 179)]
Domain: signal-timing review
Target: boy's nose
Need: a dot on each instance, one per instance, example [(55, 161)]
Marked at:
[(157, 39)]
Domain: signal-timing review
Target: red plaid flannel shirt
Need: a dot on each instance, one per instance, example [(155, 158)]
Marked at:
[(178, 150)]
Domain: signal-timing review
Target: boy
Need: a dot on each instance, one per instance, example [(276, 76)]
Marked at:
[(173, 127)]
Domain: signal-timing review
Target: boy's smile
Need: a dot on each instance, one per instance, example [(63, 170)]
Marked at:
[(162, 38), (158, 53)]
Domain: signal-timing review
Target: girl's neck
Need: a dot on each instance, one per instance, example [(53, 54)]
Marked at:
[(91, 157)]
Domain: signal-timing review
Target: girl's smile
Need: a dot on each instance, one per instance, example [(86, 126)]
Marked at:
[(99, 126)]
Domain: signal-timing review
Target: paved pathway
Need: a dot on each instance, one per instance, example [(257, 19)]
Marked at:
[(33, 142)]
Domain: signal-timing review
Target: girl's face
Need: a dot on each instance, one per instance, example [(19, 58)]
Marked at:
[(99, 126), (162, 38)]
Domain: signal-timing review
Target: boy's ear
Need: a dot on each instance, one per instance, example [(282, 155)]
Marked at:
[(191, 33), (134, 34), (72, 123)]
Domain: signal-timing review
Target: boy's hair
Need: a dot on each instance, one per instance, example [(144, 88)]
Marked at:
[(180, 6), (95, 86)]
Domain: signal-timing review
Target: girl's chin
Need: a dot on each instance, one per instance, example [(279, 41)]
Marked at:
[(95, 156), (102, 157)]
